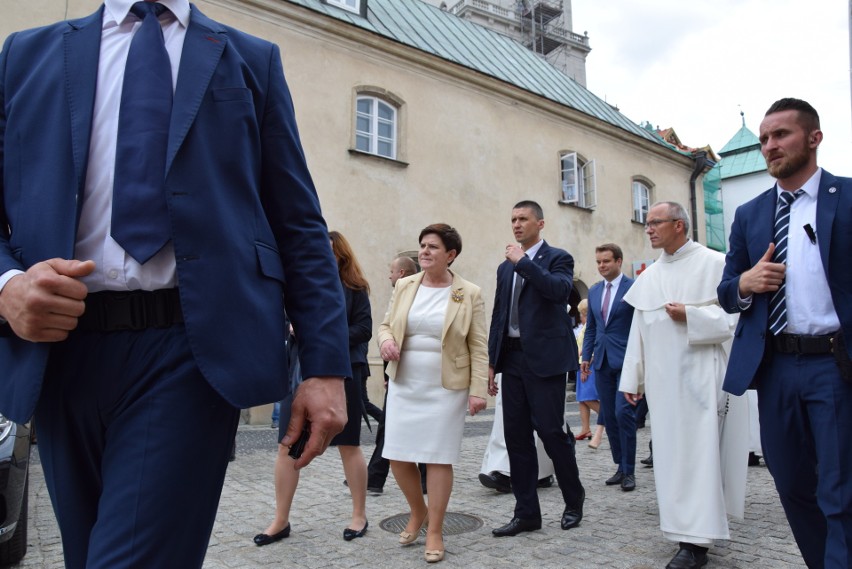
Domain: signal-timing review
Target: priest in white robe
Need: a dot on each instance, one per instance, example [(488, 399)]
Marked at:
[(677, 354)]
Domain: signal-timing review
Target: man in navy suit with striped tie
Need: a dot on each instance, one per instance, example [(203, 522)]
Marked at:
[(788, 275)]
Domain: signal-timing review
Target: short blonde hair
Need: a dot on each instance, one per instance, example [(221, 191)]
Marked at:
[(583, 307)]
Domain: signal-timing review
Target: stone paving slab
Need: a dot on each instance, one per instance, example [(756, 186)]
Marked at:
[(619, 529)]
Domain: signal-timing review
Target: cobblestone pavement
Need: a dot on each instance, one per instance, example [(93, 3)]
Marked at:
[(619, 530)]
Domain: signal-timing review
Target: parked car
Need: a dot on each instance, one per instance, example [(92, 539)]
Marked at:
[(14, 485)]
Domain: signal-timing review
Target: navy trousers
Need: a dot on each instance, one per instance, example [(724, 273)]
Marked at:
[(619, 418), (806, 432), (533, 403), (134, 444)]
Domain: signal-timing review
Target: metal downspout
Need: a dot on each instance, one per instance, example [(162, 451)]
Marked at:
[(700, 164)]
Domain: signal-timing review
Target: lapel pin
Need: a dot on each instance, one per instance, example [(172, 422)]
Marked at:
[(832, 189)]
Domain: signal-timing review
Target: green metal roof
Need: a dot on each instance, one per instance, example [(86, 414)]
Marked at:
[(432, 30), (743, 140), (741, 155), (742, 163)]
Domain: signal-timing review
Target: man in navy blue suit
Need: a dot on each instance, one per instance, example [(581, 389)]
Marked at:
[(532, 344), (136, 365), (607, 328), (788, 275)]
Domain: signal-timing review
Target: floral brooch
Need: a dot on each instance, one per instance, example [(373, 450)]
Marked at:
[(457, 295)]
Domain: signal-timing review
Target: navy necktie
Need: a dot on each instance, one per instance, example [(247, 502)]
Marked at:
[(778, 302), (140, 217), (514, 320)]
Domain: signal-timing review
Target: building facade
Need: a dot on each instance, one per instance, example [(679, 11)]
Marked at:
[(401, 131)]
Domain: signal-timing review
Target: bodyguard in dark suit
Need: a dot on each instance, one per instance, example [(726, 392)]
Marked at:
[(143, 270), (788, 275), (607, 328), (532, 344)]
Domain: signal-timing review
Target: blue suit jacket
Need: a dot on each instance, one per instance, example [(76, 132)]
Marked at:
[(607, 340), (546, 333), (245, 218), (751, 233)]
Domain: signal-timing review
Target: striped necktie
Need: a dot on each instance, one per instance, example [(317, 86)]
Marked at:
[(778, 302)]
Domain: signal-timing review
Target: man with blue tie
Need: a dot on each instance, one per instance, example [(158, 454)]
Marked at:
[(788, 275), (532, 344), (156, 217), (607, 328)]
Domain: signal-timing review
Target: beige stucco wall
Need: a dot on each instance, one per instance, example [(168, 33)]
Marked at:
[(471, 147)]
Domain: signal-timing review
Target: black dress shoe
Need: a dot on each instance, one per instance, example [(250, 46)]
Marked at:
[(572, 515), (648, 461), (262, 539), (688, 559), (516, 526), (615, 478), (628, 483), (350, 534), (753, 459), (545, 482), (496, 481)]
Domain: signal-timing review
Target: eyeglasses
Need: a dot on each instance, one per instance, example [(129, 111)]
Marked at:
[(655, 222)]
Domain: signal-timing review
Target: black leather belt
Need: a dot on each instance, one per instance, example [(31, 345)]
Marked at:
[(111, 311), (801, 344), (512, 344)]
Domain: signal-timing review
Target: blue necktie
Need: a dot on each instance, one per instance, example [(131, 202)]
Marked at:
[(778, 302), (140, 217)]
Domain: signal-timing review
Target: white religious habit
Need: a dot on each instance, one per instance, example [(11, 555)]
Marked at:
[(700, 432), (496, 456)]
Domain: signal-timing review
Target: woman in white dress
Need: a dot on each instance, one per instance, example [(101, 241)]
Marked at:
[(434, 338)]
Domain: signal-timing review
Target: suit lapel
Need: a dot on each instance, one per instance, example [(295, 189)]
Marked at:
[(202, 49), (827, 201), (82, 43), (452, 305)]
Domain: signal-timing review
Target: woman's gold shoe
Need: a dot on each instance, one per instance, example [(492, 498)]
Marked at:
[(406, 537)]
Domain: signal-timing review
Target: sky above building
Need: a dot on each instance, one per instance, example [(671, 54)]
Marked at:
[(694, 66)]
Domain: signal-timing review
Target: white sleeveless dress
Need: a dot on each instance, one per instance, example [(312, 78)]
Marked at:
[(424, 421)]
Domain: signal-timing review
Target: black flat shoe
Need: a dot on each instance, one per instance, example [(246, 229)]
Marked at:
[(262, 539), (350, 534)]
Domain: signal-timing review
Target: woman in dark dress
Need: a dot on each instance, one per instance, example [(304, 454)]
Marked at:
[(356, 291)]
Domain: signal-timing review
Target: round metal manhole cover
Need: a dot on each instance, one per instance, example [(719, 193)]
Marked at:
[(454, 523)]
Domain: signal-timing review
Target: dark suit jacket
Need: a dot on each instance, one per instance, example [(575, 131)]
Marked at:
[(360, 319), (245, 217), (546, 334), (751, 233), (607, 340)]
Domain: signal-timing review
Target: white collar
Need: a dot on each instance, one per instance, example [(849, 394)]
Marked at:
[(117, 10)]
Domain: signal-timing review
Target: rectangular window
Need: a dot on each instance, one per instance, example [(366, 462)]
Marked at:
[(375, 127), (641, 201), (350, 5), (578, 181)]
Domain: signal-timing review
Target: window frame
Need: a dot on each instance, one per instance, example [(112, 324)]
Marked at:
[(373, 137), (584, 193), (640, 213), (358, 8)]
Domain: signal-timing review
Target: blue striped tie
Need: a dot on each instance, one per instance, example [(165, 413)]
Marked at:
[(140, 216), (778, 302)]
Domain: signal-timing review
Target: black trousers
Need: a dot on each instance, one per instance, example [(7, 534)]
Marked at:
[(534, 403)]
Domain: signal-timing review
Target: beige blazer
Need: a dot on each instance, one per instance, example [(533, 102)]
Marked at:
[(464, 345)]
